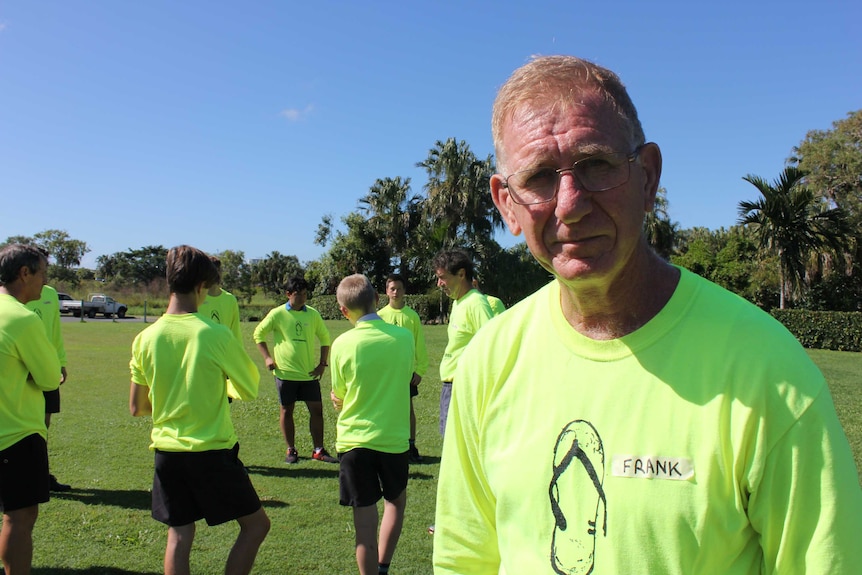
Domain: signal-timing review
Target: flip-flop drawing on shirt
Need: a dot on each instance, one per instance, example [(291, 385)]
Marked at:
[(576, 492)]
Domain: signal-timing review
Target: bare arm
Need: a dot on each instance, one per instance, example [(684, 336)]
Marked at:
[(139, 400), (267, 358), (317, 372)]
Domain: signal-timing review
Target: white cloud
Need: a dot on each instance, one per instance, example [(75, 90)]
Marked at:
[(2, 26), (295, 114)]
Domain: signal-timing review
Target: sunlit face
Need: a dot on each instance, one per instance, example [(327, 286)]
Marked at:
[(580, 235), (297, 299), (453, 285), (395, 291), (34, 280)]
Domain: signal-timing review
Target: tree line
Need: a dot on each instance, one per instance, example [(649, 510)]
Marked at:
[(796, 244)]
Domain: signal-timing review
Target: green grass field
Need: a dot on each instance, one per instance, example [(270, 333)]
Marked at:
[(103, 526)]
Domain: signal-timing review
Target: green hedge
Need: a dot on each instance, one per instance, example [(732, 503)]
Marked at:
[(836, 330), (427, 306)]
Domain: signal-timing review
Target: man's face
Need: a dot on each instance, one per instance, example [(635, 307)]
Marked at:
[(34, 280), (395, 291), (579, 236), (453, 285), (297, 298)]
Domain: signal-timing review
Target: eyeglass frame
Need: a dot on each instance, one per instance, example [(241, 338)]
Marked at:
[(559, 172)]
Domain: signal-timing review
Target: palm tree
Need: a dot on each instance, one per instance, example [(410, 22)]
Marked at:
[(661, 232), (459, 202), (394, 215), (790, 222)]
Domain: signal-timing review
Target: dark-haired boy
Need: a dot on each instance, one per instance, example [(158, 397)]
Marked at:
[(371, 367), (295, 327), (400, 314), (28, 367), (178, 367)]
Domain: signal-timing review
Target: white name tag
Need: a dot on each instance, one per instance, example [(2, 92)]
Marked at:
[(652, 467)]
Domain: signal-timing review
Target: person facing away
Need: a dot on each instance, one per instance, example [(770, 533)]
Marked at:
[(371, 369), (496, 304), (28, 367), (47, 307), (296, 327), (470, 311), (178, 369), (641, 419), (397, 312)]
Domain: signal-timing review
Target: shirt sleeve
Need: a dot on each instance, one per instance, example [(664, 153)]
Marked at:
[(465, 537), (234, 326), (421, 352), (242, 373), (807, 504), (39, 355), (263, 328), (57, 334), (321, 332)]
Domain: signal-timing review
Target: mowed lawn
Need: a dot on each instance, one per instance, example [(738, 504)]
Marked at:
[(103, 526)]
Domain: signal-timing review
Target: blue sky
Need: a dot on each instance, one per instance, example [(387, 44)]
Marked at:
[(238, 125)]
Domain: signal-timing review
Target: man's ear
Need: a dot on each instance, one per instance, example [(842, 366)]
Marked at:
[(651, 162), (504, 204)]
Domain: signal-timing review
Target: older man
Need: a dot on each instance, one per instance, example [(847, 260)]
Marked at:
[(28, 367), (630, 417)]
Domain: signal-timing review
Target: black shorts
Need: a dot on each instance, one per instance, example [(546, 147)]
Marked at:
[(52, 401), (24, 474), (414, 390), (293, 391), (367, 475), (211, 485)]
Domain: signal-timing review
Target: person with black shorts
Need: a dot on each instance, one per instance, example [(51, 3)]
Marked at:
[(47, 307), (296, 328), (28, 367), (198, 473), (371, 369)]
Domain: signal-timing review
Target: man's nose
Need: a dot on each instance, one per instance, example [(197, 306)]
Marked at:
[(573, 201)]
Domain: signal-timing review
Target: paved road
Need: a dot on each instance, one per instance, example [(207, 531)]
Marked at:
[(101, 318)]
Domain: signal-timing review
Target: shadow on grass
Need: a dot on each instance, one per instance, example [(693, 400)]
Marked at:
[(427, 460), (420, 475), (89, 571), (294, 471), (128, 499), (273, 503)]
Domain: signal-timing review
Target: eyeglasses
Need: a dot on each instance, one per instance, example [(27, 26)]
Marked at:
[(594, 174)]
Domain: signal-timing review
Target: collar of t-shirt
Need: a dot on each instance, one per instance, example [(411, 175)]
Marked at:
[(288, 308), (369, 316)]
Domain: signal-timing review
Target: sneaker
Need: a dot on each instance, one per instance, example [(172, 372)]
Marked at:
[(292, 456), (57, 486), (323, 456), (413, 455)]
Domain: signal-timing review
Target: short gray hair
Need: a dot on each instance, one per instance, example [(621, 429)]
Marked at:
[(561, 80)]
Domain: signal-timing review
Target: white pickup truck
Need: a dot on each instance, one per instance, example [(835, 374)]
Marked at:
[(98, 303)]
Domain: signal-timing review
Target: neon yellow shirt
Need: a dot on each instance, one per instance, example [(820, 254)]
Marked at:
[(703, 443), (407, 317), (28, 366), (184, 359), (468, 314), (294, 332), (372, 365), (223, 309), (496, 304), (47, 307)]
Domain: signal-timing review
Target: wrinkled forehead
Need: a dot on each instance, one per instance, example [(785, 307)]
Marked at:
[(542, 109)]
